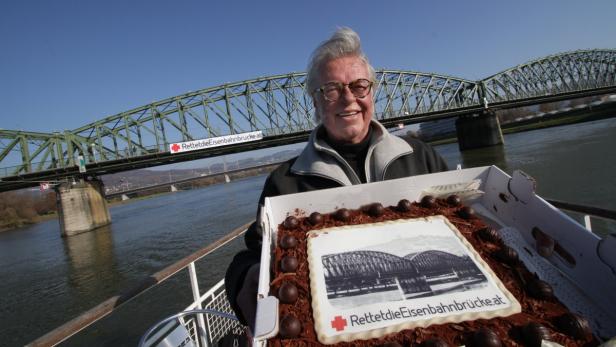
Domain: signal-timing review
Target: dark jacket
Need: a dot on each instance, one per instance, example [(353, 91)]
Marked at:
[(319, 166)]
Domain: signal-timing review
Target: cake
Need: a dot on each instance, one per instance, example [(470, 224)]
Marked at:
[(532, 312)]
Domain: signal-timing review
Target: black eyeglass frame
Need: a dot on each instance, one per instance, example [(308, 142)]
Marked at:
[(340, 87)]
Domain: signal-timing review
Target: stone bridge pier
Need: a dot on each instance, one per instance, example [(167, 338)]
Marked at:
[(479, 130), (81, 206)]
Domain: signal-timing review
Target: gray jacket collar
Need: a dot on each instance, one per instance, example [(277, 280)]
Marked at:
[(319, 159)]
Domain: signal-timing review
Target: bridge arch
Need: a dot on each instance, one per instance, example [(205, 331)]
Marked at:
[(279, 107), (358, 263), (562, 73)]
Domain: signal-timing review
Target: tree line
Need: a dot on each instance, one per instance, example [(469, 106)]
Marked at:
[(19, 208)]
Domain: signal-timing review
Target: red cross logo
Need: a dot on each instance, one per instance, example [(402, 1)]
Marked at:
[(339, 323), (175, 147)]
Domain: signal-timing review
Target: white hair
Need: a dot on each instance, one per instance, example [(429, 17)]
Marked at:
[(343, 43)]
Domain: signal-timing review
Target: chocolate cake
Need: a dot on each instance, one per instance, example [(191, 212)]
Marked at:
[(542, 316)]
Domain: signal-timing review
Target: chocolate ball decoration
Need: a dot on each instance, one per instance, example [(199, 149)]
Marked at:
[(376, 210), (288, 242), (534, 333), (290, 327), (315, 218), (466, 212), (343, 215), (540, 289), (574, 325), (288, 264), (291, 222), (287, 293), (508, 255), (428, 201), (485, 337), (489, 234), (435, 342), (404, 205), (454, 200)]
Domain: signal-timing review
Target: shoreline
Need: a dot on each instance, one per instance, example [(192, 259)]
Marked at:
[(39, 219), (54, 215)]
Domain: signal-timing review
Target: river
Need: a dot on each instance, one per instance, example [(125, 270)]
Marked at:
[(47, 280)]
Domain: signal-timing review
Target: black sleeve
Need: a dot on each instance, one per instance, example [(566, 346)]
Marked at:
[(234, 278), (427, 156), (252, 239), (236, 272)]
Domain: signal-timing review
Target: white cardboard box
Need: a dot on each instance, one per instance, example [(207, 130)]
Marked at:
[(584, 280)]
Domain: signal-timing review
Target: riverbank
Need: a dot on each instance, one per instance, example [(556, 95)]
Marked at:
[(26, 222), (53, 215), (16, 218)]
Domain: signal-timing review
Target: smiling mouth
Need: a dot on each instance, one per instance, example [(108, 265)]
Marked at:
[(348, 114)]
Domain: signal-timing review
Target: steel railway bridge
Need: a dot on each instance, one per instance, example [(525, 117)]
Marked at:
[(280, 108), (361, 272)]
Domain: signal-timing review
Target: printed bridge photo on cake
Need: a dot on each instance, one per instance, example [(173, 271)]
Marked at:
[(389, 276), (370, 276)]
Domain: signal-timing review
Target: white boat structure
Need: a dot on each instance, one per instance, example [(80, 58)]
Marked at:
[(209, 320)]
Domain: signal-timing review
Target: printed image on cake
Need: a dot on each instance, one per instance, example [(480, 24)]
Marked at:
[(411, 259), (416, 274)]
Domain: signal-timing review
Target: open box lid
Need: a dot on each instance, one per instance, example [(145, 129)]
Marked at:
[(582, 271)]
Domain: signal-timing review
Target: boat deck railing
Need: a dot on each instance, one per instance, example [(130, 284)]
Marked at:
[(216, 326), (585, 210), (204, 323)]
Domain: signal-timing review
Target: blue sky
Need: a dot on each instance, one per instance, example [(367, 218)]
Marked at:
[(64, 64)]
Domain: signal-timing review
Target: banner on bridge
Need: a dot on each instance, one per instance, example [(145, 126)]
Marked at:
[(180, 147)]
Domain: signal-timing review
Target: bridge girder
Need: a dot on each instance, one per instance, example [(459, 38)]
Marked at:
[(555, 74), (279, 106)]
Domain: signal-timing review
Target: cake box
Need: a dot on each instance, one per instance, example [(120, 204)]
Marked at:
[(582, 270)]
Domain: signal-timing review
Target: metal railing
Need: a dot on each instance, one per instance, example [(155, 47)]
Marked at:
[(166, 330), (584, 209)]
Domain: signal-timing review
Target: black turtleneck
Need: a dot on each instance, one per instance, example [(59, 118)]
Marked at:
[(353, 153)]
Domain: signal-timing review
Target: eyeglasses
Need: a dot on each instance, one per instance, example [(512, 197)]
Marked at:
[(333, 90)]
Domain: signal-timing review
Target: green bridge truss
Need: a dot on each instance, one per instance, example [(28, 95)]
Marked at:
[(279, 106)]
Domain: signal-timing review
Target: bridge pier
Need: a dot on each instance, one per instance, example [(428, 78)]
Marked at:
[(81, 206), (479, 130)]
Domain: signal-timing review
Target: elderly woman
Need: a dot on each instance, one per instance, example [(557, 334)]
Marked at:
[(348, 147)]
